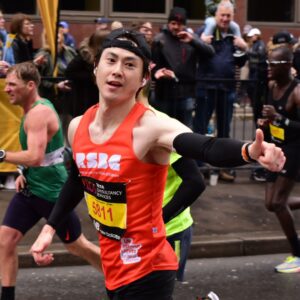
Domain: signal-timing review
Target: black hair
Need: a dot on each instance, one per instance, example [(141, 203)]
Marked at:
[(285, 53)]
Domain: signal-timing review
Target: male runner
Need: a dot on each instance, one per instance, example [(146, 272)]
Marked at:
[(282, 114), (43, 177), (122, 151)]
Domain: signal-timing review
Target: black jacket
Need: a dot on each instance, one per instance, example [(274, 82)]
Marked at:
[(171, 53)]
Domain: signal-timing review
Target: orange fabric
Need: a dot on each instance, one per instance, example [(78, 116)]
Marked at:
[(143, 248)]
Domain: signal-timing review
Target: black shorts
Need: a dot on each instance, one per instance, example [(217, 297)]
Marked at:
[(292, 163), (158, 285), (24, 212)]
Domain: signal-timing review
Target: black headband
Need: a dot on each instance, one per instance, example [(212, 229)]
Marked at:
[(125, 44), (129, 40)]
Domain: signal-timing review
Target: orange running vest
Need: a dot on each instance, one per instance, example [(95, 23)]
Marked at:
[(124, 197)]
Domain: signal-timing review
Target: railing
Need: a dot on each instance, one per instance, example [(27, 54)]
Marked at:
[(243, 120)]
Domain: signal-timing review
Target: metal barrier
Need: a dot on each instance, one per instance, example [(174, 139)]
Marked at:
[(246, 96), (233, 99)]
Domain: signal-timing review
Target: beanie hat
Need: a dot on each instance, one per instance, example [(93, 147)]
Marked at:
[(177, 14)]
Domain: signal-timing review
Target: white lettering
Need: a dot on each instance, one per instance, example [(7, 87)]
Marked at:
[(98, 160), (114, 162), (103, 157), (80, 160), (91, 160)]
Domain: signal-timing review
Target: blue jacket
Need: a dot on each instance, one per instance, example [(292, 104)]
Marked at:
[(223, 64)]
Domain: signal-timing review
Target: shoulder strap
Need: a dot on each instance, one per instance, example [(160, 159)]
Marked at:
[(289, 89)]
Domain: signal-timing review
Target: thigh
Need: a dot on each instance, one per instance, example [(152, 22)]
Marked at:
[(70, 229), (21, 214), (158, 285)]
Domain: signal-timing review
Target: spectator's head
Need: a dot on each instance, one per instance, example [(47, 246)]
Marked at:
[(96, 40), (65, 26), (21, 25), (246, 29), (224, 15), (145, 28), (283, 37), (102, 23), (254, 34), (116, 25), (280, 61), (176, 20)]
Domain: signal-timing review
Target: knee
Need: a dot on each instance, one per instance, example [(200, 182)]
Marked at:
[(9, 238)]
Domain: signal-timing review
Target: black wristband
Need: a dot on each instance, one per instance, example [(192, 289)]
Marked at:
[(247, 153)]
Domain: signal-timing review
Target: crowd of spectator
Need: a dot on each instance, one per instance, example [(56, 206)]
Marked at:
[(194, 73)]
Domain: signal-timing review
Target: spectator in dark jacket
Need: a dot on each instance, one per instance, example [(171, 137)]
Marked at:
[(175, 52), (257, 56), (22, 27)]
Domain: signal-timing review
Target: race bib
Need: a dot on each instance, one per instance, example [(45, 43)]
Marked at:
[(277, 133), (107, 206)]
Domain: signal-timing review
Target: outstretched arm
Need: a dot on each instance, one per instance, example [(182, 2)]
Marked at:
[(225, 152)]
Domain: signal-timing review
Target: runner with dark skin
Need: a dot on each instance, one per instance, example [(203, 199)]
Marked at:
[(282, 113)]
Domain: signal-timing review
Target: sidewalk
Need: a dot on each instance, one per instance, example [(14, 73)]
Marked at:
[(229, 220)]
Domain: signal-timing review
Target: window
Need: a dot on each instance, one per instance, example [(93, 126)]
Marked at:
[(137, 6), (195, 8), (80, 5), (16, 6), (271, 11)]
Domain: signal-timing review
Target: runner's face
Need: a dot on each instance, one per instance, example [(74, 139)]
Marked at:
[(119, 74), (277, 66), (16, 89)]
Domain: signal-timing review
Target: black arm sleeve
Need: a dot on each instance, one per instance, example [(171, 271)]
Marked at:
[(190, 189), (70, 195), (203, 49), (219, 152)]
